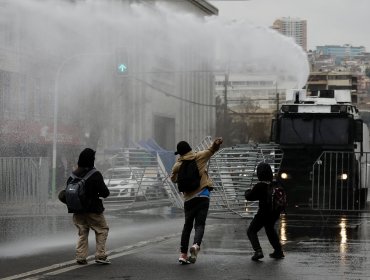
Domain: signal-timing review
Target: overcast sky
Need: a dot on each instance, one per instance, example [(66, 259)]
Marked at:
[(334, 22)]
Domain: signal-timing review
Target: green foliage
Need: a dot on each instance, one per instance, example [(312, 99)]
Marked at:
[(367, 72)]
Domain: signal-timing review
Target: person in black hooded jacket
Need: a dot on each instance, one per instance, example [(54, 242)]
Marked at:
[(93, 217), (265, 216)]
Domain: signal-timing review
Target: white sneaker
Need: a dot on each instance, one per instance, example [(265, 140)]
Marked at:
[(183, 259), (194, 253)]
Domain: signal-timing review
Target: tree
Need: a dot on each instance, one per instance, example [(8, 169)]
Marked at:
[(367, 72), (87, 102), (249, 122), (223, 121)]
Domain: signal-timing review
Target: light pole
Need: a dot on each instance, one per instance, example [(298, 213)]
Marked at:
[(225, 129), (55, 123), (122, 69), (277, 97)]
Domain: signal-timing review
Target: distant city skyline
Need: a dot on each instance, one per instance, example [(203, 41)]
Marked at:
[(329, 22)]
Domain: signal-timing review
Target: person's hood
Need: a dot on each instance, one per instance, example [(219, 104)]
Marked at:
[(86, 158), (182, 148), (188, 156), (264, 172)]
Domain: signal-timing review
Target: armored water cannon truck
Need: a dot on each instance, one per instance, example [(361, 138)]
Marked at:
[(325, 145)]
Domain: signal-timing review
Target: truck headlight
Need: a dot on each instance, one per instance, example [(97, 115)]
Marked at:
[(284, 176)]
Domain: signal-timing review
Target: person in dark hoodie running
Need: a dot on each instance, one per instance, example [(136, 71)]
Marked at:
[(196, 202), (265, 217), (93, 217)]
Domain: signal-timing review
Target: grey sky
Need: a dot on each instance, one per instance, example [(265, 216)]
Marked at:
[(328, 21)]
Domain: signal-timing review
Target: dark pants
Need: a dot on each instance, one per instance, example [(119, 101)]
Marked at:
[(195, 209), (267, 221)]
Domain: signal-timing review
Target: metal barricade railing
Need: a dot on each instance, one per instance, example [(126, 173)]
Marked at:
[(23, 184), (137, 176), (340, 181), (232, 170), (172, 191)]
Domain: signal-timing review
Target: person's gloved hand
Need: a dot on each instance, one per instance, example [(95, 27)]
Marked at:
[(218, 141)]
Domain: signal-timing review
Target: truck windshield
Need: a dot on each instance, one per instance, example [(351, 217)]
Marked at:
[(315, 131)]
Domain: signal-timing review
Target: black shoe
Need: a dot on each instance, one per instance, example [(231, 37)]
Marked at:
[(277, 255), (81, 262), (257, 255), (102, 260)]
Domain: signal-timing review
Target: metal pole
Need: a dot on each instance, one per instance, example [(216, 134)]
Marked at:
[(55, 124), (225, 124), (277, 98), (55, 132)]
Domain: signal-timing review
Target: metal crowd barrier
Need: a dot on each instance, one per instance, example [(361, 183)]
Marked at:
[(232, 169), (340, 181), (23, 185), (139, 177)]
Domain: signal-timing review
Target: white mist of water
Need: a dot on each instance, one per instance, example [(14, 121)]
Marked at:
[(91, 30), (33, 246), (122, 232), (71, 49)]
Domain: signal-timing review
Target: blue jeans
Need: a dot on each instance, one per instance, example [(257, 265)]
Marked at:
[(196, 210)]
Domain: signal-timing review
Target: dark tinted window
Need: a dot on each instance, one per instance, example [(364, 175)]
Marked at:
[(310, 131), (296, 131), (332, 131)]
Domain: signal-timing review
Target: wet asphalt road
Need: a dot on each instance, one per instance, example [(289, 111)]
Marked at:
[(144, 245)]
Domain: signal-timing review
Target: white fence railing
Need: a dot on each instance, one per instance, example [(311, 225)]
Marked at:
[(23, 184)]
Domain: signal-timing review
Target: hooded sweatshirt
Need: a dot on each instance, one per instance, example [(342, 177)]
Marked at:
[(201, 159), (260, 191), (95, 186)]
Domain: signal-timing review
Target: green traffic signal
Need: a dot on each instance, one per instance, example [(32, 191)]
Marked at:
[(122, 68)]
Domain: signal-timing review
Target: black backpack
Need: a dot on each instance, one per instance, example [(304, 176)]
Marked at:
[(277, 197), (188, 178), (76, 199)]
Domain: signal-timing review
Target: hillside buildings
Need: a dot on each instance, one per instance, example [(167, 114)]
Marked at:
[(341, 51), (333, 62)]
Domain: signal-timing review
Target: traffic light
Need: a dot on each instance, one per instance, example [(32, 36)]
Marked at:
[(122, 68), (122, 61)]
